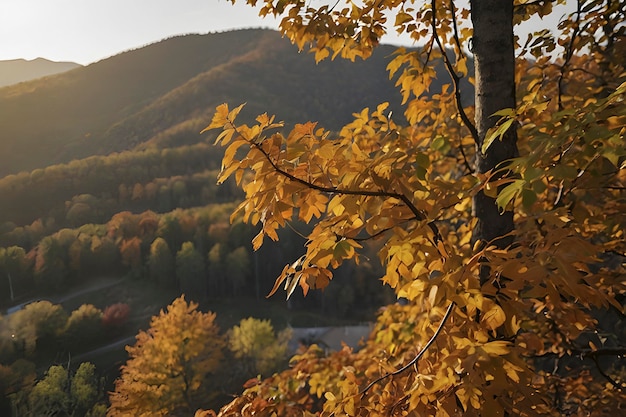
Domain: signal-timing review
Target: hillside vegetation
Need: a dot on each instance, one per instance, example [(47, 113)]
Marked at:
[(162, 94), (104, 172), (110, 207)]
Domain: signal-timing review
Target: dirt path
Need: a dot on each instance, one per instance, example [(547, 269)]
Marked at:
[(92, 287)]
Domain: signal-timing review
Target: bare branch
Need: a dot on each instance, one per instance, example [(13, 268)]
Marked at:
[(455, 27), (293, 229), (465, 160), (372, 236)]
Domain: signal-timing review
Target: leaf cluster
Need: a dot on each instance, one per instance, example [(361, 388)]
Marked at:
[(410, 188)]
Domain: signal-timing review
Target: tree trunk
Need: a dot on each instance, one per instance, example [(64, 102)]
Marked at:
[(494, 63)]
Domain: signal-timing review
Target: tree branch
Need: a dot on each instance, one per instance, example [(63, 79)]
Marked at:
[(594, 355), (606, 376), (569, 53), (418, 356), (465, 160), (458, 96), (366, 238), (453, 75), (589, 353), (419, 215)]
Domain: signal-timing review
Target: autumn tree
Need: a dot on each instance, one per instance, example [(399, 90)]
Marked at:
[(238, 268), (170, 230), (130, 251), (15, 271), (51, 266), (501, 214), (161, 263), (64, 393), (257, 347), (216, 276), (105, 254), (21, 378), (115, 315), (190, 271), (170, 364), (49, 396), (83, 327), (37, 327)]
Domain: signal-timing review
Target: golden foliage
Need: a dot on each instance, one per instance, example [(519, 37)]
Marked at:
[(411, 187), (259, 350), (169, 363)]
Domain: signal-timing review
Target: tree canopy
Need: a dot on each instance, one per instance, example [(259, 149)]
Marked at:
[(256, 346), (169, 364), (500, 216)]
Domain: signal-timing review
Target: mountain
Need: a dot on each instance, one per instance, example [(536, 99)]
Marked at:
[(18, 70), (165, 93)]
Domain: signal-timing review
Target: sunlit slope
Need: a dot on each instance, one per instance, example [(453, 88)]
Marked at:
[(173, 86)]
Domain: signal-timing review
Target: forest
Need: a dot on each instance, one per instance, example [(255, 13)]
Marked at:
[(466, 196), (107, 230)]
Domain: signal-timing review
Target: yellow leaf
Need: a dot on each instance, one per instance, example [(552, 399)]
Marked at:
[(512, 371), (497, 347), (494, 317), (463, 397), (349, 407), (496, 132), (335, 206), (432, 296), (225, 137), (515, 324), (258, 240), (461, 66), (232, 115), (219, 118), (321, 54), (402, 18), (230, 152)]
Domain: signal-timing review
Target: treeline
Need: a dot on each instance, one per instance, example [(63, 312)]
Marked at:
[(63, 259), (162, 195), (152, 178), (193, 251)]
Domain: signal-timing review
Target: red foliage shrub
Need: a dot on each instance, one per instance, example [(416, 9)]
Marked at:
[(116, 315)]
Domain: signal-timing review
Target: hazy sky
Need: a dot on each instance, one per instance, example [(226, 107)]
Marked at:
[(86, 31)]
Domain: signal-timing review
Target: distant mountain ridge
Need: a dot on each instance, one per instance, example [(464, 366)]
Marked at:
[(19, 70), (163, 94)]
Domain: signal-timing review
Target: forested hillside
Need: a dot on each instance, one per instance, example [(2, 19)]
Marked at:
[(162, 95), (121, 138), (110, 207)]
